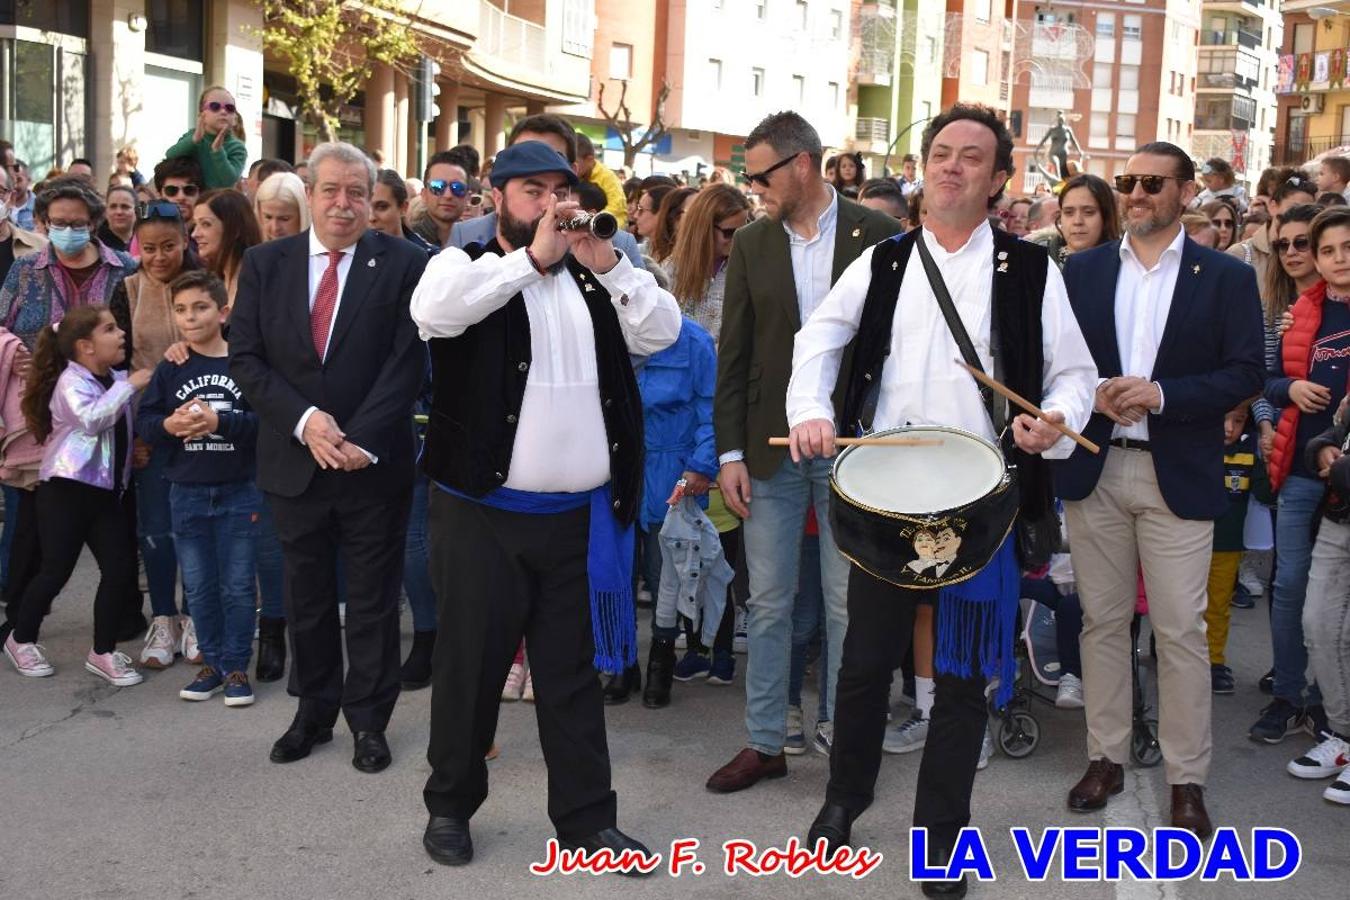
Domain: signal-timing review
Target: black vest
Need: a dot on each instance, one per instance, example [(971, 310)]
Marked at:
[(478, 384), (1018, 292)]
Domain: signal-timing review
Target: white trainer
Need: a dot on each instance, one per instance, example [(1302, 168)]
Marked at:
[(1070, 693), (28, 659), (794, 744), (908, 736), (161, 642), (515, 683), (740, 635), (1330, 757), (1338, 791), (114, 668), (188, 644)]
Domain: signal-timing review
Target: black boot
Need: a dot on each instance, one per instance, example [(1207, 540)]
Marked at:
[(618, 687), (416, 671), (940, 857), (271, 649), (660, 673)]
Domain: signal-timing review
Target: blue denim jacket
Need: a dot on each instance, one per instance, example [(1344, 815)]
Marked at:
[(82, 442)]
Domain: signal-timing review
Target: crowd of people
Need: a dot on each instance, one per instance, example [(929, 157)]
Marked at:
[(251, 378)]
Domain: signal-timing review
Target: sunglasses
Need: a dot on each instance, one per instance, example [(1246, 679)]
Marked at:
[(217, 106), (1284, 245), (158, 209), (1152, 183), (438, 187), (727, 233), (173, 190), (762, 178)]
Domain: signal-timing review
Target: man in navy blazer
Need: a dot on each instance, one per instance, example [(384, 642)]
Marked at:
[(1176, 332)]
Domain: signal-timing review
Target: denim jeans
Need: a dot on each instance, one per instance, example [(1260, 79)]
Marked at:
[(216, 529), (416, 571), (808, 621), (1298, 500), (271, 586), (155, 527), (7, 538), (773, 542)]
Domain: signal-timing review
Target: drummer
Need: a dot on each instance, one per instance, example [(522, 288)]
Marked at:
[(904, 372)]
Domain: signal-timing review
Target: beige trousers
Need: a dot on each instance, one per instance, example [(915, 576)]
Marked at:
[(1122, 524)]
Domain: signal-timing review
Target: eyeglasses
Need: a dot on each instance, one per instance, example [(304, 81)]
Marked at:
[(217, 106), (158, 209), (727, 233), (438, 187), (1152, 183), (173, 190), (61, 223), (762, 178), (1284, 245)]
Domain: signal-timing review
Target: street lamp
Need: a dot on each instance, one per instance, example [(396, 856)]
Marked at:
[(886, 163)]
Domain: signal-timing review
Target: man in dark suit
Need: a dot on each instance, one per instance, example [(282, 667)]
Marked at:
[(781, 268), (324, 348), (1176, 333)]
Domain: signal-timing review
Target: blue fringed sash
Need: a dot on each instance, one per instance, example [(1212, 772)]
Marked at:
[(979, 615), (609, 565)]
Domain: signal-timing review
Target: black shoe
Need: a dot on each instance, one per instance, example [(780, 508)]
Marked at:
[(1221, 680), (660, 673), (612, 839), (416, 672), (1276, 719), (833, 824), (1315, 721), (372, 752), (271, 649), (1242, 598), (1267, 683), (941, 856), (299, 739), (618, 687), (447, 840)]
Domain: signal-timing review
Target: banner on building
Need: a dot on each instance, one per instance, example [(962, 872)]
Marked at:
[(1303, 73), (1321, 76), (1337, 69), (1284, 82), (1239, 154)]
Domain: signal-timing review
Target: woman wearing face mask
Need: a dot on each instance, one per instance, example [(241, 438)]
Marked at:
[(280, 206), (224, 227), (1087, 217), (214, 142), (119, 222)]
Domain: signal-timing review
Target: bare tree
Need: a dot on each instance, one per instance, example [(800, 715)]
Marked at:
[(621, 120)]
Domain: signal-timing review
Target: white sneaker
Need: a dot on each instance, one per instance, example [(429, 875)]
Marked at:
[(824, 738), (114, 668), (1328, 758), (528, 693), (986, 749), (28, 659), (795, 742), (161, 642), (188, 646), (515, 683), (908, 736), (740, 639), (1338, 791), (1070, 693)]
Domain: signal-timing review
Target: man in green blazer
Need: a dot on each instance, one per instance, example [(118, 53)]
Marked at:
[(782, 266)]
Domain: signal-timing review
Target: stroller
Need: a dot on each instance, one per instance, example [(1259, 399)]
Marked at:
[(1038, 671)]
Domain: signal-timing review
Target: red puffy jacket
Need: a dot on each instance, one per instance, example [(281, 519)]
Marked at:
[(1296, 360)]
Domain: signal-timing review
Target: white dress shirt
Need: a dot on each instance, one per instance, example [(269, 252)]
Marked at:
[(318, 264), (1143, 301), (921, 383), (561, 444)]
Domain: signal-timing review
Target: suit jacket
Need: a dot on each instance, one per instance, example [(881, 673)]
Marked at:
[(759, 321), (1210, 360), (481, 229), (375, 364)]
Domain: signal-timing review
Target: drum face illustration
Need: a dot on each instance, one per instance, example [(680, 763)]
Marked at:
[(922, 517)]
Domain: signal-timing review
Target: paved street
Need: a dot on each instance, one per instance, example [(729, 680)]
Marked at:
[(133, 792)]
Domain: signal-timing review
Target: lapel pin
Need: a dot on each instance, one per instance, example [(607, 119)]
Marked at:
[(370, 263), (857, 232), (895, 266), (1002, 267), (1002, 255), (589, 287), (1196, 268)]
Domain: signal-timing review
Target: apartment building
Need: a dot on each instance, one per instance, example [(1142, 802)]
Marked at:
[(1313, 94), (1235, 85)]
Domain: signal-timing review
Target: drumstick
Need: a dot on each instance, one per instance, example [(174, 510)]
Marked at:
[(1028, 406), (872, 441)]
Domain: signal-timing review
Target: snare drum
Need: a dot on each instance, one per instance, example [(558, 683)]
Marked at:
[(922, 517)]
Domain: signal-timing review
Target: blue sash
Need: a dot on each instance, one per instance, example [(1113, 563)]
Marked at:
[(979, 615)]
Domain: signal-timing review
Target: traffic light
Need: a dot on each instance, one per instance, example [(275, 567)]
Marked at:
[(424, 97)]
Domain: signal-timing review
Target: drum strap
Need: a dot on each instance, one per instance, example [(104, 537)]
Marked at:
[(995, 406)]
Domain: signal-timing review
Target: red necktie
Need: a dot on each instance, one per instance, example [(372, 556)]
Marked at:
[(325, 299)]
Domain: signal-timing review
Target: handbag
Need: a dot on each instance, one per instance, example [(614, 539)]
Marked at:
[(1036, 538)]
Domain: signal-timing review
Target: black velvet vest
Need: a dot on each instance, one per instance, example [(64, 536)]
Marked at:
[(478, 384), (1018, 291)]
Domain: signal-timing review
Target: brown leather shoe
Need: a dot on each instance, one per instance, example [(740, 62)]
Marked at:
[(1103, 779), (1188, 810), (745, 770)]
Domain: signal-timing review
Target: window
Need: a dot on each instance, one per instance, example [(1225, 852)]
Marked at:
[(761, 9), (799, 88), (1125, 127), (1129, 78), (578, 34), (621, 61), (930, 46), (1100, 129), (1106, 25), (757, 82), (803, 14), (984, 10), (1303, 37), (836, 24), (1101, 75), (174, 28), (715, 72), (834, 94), (979, 67), (1132, 27)]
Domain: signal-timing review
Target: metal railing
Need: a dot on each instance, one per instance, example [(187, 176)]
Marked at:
[(1231, 37), (1296, 154), (870, 128)]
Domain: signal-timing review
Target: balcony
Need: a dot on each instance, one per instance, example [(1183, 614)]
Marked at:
[(1231, 37), (875, 67), (513, 40), (517, 55), (1296, 154), (1228, 69), (872, 130)]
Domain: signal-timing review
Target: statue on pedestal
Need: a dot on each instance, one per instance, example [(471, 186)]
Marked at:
[(1056, 165)]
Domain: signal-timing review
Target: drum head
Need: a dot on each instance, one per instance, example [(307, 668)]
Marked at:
[(920, 480)]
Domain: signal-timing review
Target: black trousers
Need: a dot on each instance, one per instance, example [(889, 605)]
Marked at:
[(326, 521), (69, 515), (500, 576), (880, 622)]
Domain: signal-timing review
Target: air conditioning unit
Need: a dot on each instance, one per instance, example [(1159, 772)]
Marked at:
[(1314, 103)]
